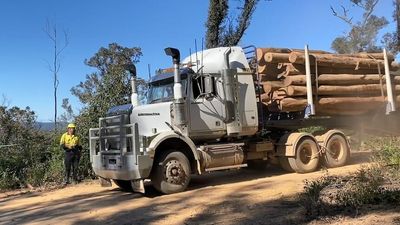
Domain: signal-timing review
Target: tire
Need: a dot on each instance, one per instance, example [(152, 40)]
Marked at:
[(337, 151), (124, 185), (284, 163), (307, 156), (171, 173)]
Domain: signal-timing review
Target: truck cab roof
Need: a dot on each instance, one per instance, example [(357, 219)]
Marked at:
[(170, 75)]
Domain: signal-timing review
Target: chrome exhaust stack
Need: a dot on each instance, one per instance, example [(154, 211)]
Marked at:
[(134, 96), (233, 126), (178, 104)]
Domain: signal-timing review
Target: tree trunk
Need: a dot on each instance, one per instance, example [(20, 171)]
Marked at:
[(292, 104), (337, 61), (260, 52), (364, 89), (298, 69), (276, 57), (335, 106), (340, 79), (270, 86)]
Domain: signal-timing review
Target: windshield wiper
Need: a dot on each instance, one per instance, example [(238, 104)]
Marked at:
[(155, 100)]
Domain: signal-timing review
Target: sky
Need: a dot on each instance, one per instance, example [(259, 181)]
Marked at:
[(25, 49)]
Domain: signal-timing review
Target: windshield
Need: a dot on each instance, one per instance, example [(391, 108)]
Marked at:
[(162, 91)]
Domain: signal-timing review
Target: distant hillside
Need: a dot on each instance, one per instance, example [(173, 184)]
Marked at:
[(49, 126)]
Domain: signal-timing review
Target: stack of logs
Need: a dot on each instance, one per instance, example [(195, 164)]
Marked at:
[(343, 84)]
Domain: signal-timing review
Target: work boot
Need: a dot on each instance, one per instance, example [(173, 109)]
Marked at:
[(66, 181)]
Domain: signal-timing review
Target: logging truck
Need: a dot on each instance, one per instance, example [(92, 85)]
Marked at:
[(234, 107)]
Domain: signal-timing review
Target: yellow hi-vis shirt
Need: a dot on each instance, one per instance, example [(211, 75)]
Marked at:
[(70, 141)]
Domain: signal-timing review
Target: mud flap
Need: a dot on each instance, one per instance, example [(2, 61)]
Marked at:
[(138, 186), (105, 182)]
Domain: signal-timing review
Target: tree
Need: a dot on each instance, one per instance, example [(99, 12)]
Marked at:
[(107, 87), (68, 114), (222, 31), (392, 40), (363, 34), (52, 33), (24, 149)]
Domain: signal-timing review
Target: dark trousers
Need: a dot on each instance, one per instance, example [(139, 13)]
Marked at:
[(71, 161)]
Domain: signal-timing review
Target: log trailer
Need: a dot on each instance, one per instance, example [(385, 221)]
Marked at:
[(207, 114)]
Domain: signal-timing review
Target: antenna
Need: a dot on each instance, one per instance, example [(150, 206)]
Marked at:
[(148, 69), (195, 48), (202, 49), (190, 57)]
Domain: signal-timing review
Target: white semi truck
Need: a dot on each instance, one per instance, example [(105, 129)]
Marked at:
[(205, 116)]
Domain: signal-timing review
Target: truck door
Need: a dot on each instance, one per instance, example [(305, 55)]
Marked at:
[(206, 113)]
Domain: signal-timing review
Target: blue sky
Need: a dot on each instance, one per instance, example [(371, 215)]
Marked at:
[(152, 25)]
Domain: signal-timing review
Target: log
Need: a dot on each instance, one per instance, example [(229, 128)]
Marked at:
[(336, 61), (261, 51), (292, 104), (268, 77), (298, 69), (265, 97), (351, 102), (270, 86), (364, 89), (340, 79), (335, 106), (269, 68), (366, 55), (276, 57), (310, 51)]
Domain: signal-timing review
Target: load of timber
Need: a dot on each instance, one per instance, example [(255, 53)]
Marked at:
[(342, 84)]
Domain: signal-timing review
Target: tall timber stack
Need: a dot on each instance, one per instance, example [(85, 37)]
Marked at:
[(342, 84)]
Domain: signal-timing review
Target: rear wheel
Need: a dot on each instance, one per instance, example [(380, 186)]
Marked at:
[(306, 156), (124, 185), (337, 151), (171, 173)]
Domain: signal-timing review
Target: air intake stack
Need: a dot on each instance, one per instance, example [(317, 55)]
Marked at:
[(178, 104)]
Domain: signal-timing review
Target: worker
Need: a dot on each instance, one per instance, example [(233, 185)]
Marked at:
[(70, 144)]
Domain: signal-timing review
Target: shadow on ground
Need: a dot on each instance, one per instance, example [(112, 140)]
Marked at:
[(229, 208)]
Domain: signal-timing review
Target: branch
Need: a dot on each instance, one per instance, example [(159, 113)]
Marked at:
[(369, 11), (66, 42), (344, 16)]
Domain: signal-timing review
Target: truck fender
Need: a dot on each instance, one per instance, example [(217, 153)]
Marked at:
[(171, 134), (288, 142), (323, 139)]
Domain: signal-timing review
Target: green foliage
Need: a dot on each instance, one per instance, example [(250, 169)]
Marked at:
[(313, 129), (386, 152), (362, 36), (24, 150), (108, 86), (362, 188), (223, 31), (379, 183), (310, 198)]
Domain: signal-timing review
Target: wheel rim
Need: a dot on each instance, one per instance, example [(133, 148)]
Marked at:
[(305, 153), (174, 172), (335, 148)]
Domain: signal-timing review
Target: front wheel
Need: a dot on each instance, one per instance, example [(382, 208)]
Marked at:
[(171, 173), (124, 185)]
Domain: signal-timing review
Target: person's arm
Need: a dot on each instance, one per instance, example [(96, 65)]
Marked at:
[(62, 143)]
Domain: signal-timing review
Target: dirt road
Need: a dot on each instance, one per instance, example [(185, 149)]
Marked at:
[(232, 197)]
